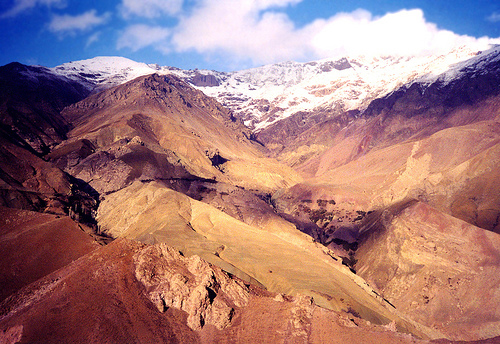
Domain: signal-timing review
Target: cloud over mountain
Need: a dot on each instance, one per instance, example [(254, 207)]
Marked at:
[(406, 32), (139, 36), (261, 32)]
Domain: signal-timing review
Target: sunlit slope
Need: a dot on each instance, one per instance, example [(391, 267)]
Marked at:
[(158, 127), (436, 269), (284, 260), (454, 170)]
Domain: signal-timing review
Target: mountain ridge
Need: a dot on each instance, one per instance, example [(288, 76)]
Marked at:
[(263, 95)]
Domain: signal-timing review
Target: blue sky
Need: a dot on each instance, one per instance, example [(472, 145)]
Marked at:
[(235, 34)]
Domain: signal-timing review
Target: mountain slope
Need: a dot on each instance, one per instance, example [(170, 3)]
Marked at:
[(119, 294), (31, 99), (273, 256), (441, 271), (33, 245), (380, 161), (161, 120), (429, 141), (155, 132)]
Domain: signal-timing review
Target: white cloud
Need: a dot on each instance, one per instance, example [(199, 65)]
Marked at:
[(494, 17), (24, 5), (139, 36), (405, 32), (243, 29), (260, 31), (93, 38), (150, 8), (68, 24)]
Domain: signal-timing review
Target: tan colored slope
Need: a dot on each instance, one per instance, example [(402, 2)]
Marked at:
[(455, 170), (170, 118), (282, 259), (333, 142), (440, 271)]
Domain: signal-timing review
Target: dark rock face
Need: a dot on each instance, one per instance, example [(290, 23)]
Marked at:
[(341, 64), (440, 98), (204, 80), (31, 183), (216, 159), (435, 103), (31, 101)]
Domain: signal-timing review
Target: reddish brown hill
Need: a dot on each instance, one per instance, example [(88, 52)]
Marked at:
[(34, 245), (106, 297)]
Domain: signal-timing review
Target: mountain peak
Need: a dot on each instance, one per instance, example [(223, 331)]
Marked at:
[(103, 71)]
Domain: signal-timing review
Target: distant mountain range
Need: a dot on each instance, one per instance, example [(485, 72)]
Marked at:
[(264, 95)]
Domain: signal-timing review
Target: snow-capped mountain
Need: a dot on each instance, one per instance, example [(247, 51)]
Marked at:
[(103, 72), (265, 95)]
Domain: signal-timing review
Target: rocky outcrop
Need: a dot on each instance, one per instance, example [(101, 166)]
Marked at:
[(103, 298), (205, 292), (204, 80)]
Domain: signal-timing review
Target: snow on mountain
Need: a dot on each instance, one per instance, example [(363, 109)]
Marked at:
[(264, 95), (476, 64), (103, 72)]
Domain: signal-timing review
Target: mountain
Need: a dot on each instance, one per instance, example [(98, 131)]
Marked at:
[(31, 125), (340, 200), (158, 145), (268, 94), (31, 101)]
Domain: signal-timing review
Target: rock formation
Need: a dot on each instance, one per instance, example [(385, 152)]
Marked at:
[(206, 293)]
